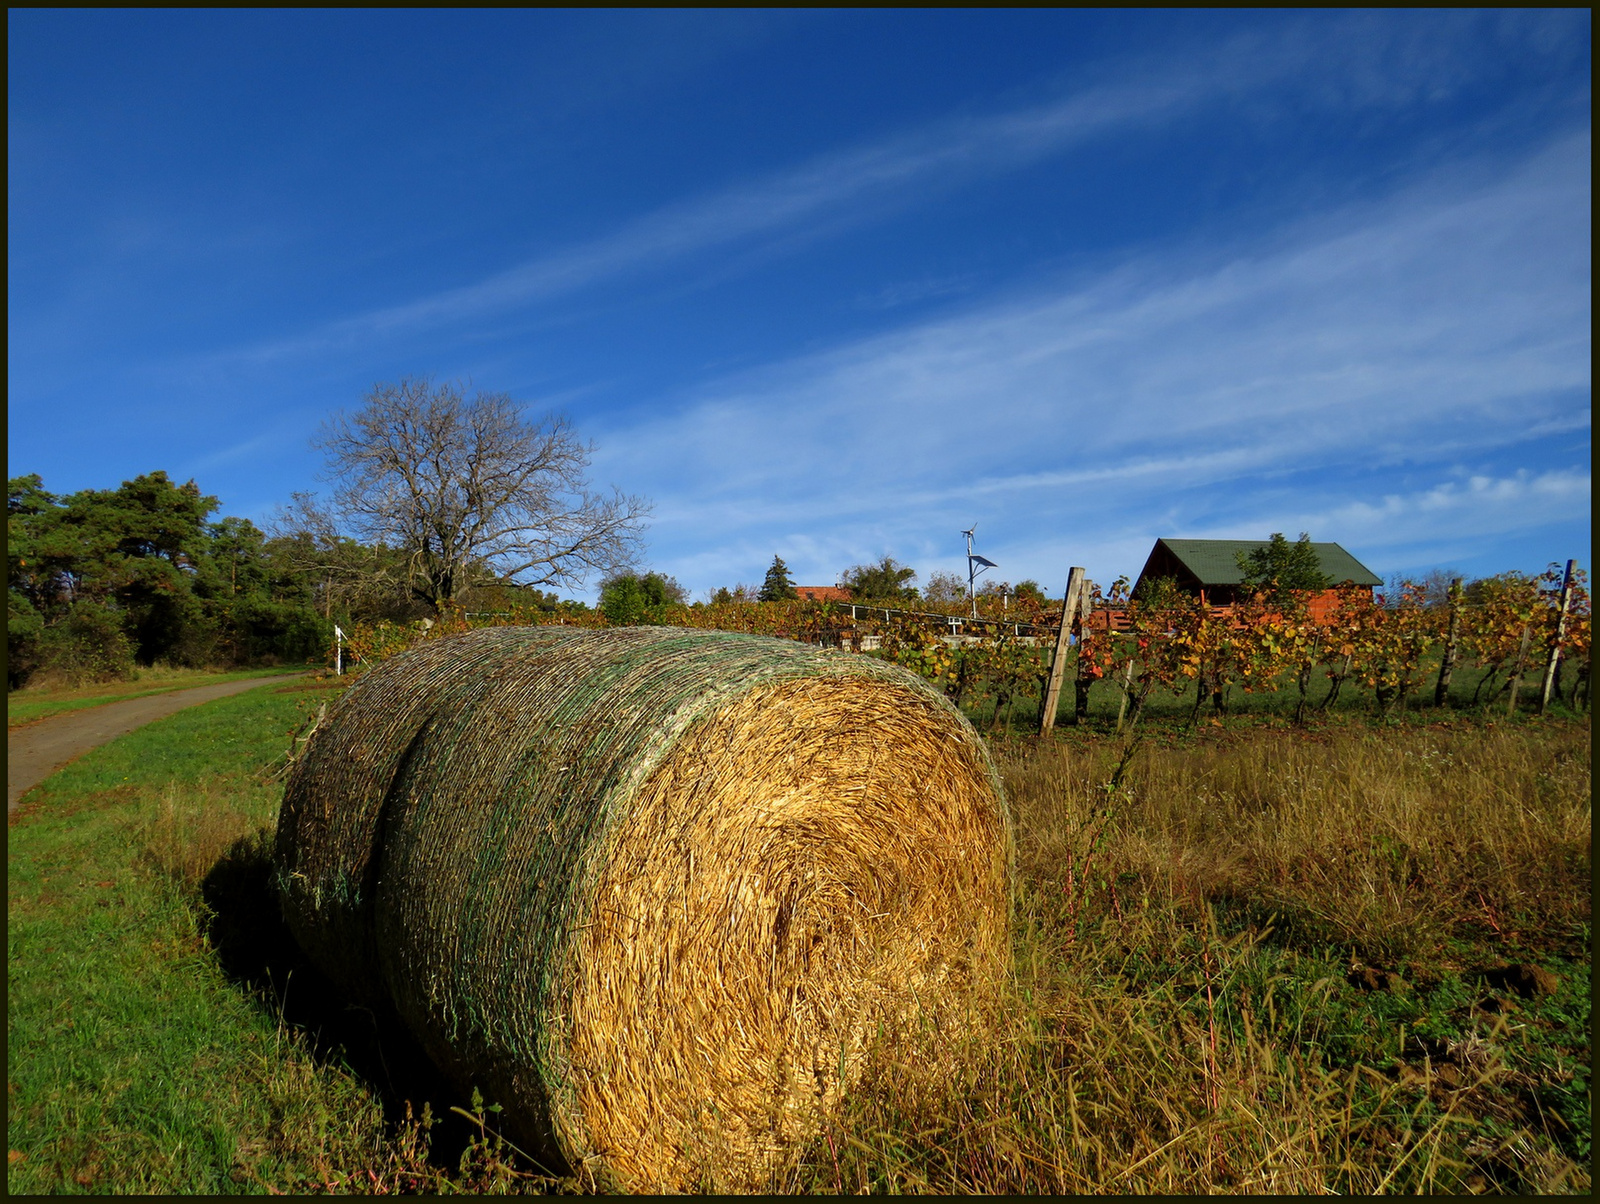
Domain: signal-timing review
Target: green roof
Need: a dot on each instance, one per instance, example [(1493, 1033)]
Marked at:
[(1214, 561)]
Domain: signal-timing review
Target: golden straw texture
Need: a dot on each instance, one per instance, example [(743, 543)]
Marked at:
[(650, 889)]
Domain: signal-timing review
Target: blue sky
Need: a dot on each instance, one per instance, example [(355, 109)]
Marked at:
[(832, 285)]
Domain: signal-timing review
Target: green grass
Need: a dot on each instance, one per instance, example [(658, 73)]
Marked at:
[(34, 703), (134, 1063), (1269, 960)]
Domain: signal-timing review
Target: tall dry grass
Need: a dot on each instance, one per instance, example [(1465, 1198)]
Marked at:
[(1388, 841), (188, 827), (1180, 1020)]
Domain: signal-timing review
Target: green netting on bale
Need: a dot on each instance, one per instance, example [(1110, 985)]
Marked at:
[(445, 837)]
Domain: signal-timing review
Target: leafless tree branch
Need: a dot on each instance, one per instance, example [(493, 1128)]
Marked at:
[(473, 493)]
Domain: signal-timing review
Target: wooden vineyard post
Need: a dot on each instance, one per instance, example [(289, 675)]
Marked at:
[(1127, 686), (1082, 681), (1447, 663), (1516, 673), (1058, 662), (1561, 633)]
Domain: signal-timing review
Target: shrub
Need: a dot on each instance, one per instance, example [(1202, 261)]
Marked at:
[(24, 626), (630, 599), (88, 645)]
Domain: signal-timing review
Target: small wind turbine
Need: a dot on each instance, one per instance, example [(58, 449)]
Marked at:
[(975, 564)]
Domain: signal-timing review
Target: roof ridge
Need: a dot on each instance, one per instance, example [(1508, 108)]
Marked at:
[(1212, 561)]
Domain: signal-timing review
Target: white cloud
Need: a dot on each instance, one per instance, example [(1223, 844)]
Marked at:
[(1345, 63), (1519, 520), (236, 452), (1486, 505), (1446, 323)]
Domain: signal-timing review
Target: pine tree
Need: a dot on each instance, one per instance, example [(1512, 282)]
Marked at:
[(777, 587)]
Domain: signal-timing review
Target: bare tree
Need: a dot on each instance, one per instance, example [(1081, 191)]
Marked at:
[(472, 493), (945, 588)]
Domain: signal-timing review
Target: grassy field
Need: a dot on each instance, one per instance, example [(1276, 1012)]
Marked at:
[(35, 702), (1347, 958)]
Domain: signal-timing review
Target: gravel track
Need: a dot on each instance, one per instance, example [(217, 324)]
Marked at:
[(37, 750)]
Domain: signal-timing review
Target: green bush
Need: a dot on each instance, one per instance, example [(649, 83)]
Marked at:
[(257, 628), (88, 645), (630, 599), (24, 626)]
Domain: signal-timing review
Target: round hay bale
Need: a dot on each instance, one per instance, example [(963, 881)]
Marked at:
[(650, 889)]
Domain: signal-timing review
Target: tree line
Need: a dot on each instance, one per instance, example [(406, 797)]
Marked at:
[(102, 580), (885, 580), (440, 503), (444, 506)]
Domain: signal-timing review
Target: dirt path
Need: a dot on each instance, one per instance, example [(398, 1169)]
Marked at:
[(36, 751)]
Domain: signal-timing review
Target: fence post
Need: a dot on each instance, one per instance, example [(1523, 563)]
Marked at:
[(1058, 662), (1081, 684), (1516, 673), (1447, 663), (1561, 631), (1127, 686)]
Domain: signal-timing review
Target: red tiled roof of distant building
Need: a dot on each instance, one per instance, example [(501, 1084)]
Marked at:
[(822, 593)]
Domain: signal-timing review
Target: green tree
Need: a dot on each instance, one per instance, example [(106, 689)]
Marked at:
[(29, 510), (888, 580), (138, 545), (1281, 570), (259, 607), (346, 579), (31, 572), (87, 645), (777, 587), (104, 559), (107, 576), (24, 626), (628, 598)]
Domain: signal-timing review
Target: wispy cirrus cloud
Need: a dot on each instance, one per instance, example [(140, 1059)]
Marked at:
[(1446, 324), (1352, 63), (1421, 523)]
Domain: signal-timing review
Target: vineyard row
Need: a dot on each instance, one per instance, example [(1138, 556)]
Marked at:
[(1515, 631)]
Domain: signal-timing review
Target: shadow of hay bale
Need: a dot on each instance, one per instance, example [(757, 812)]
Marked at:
[(651, 889), (256, 951)]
